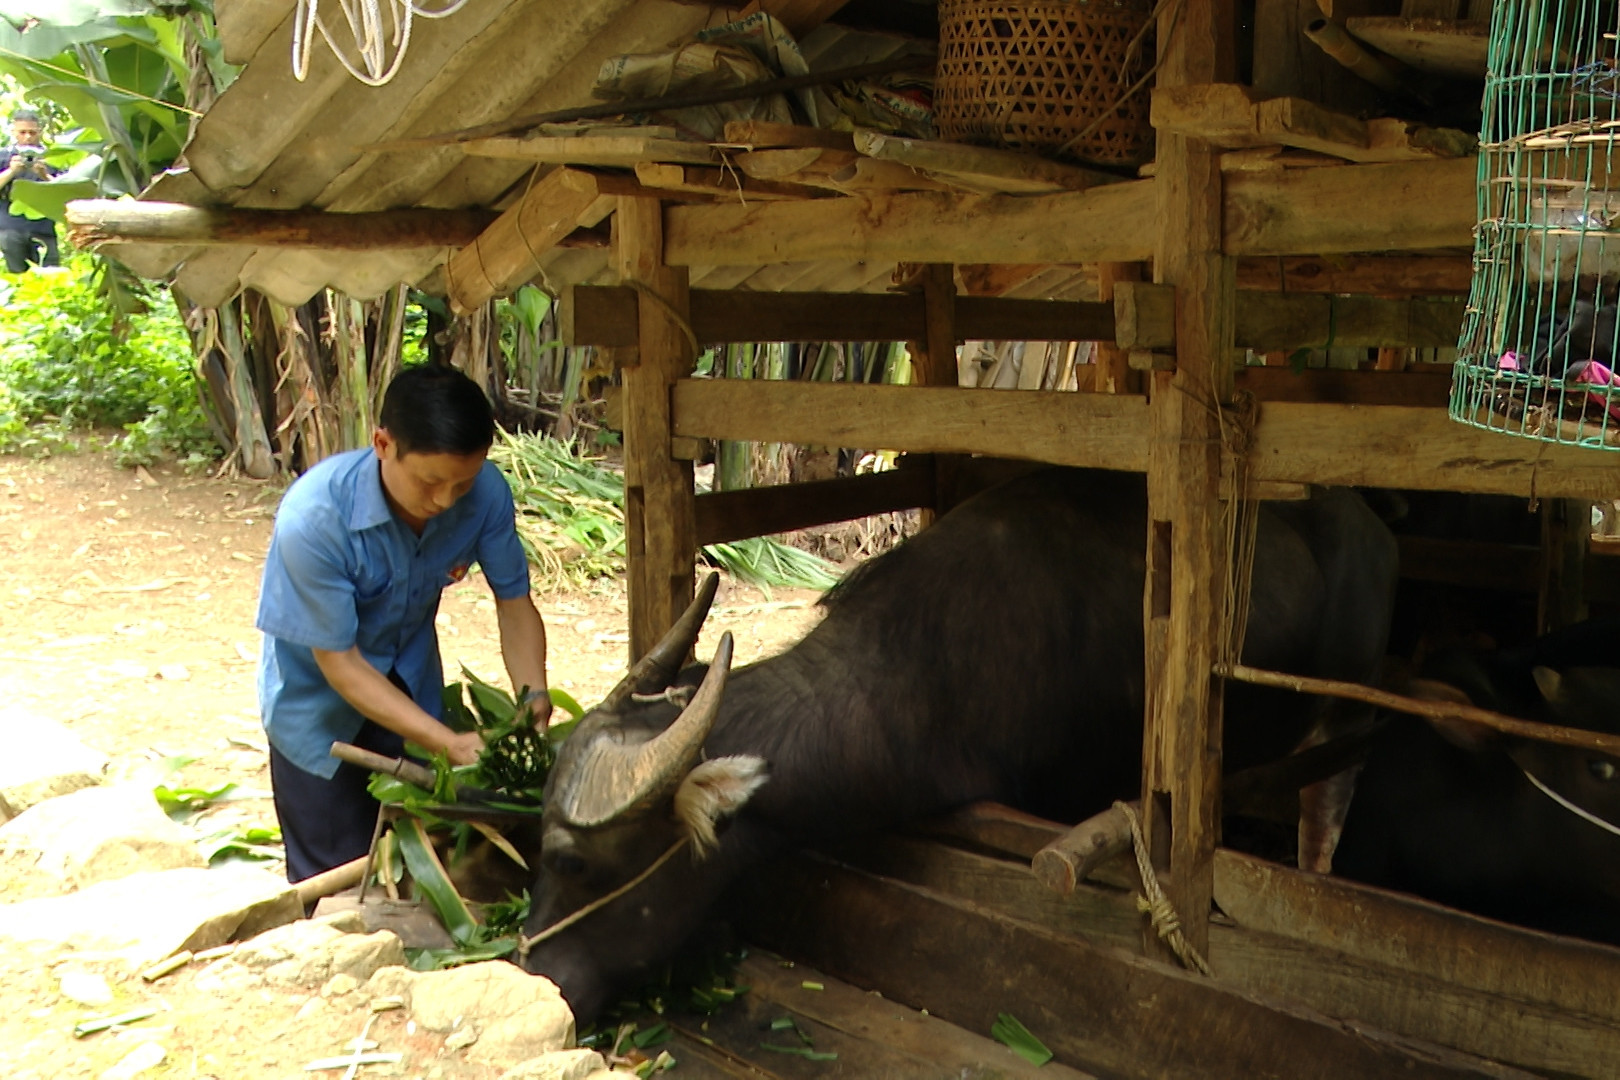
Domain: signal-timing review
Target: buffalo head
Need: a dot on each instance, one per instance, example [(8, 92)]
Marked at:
[(631, 810)]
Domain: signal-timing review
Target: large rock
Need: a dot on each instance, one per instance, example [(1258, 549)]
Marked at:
[(42, 760), (516, 1016), (145, 917), (96, 834), (576, 1064), (309, 952)]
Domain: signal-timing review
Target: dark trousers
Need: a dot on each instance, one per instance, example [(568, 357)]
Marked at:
[(326, 823), (22, 247)]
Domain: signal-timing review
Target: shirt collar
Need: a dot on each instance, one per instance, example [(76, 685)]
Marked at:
[(371, 507)]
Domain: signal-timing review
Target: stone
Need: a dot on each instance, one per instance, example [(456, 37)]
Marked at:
[(461, 1038), (576, 1064), (144, 918), (95, 834), (145, 1056), (339, 985), (84, 987), (42, 760), (310, 952), (518, 1016)]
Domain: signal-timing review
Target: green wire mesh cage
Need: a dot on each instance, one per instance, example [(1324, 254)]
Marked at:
[(1537, 353)]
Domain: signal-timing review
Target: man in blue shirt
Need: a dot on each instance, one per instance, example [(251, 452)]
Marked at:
[(25, 237), (363, 545)]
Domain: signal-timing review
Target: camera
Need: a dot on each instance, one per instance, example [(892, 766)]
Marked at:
[(29, 154)]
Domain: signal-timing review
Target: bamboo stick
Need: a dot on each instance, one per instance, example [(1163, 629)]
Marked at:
[(1333, 39), (332, 881), (1434, 710)]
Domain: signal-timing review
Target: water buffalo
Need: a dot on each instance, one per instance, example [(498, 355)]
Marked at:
[(1483, 821), (997, 655)]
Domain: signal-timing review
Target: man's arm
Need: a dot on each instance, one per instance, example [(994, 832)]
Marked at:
[(523, 647), (377, 699)]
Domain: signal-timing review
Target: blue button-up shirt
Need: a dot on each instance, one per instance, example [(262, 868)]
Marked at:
[(343, 571)]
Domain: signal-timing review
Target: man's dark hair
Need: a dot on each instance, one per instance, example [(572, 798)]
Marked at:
[(435, 409)]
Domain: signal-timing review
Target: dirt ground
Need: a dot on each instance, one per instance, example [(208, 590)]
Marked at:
[(126, 613)]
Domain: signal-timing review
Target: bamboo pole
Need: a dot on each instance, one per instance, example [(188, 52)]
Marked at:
[(1433, 710), (1337, 42)]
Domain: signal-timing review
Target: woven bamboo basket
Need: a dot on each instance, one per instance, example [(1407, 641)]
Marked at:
[(1035, 74)]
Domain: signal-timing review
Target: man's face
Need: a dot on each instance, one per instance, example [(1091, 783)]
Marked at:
[(25, 133), (420, 486)]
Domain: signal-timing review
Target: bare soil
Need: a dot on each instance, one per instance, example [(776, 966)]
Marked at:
[(127, 600)]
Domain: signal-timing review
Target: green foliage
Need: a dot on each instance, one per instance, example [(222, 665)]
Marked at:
[(571, 521), (69, 359)]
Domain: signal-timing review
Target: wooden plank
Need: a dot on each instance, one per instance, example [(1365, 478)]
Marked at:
[(660, 534), (1397, 999), (1566, 536), (759, 134), (719, 182), (836, 170), (924, 1046), (1399, 447), (507, 254), (1112, 374), (987, 169), (610, 151), (1413, 206), (1268, 321), (600, 315), (1413, 388), (937, 357), (1440, 46), (1367, 275), (1112, 223), (1123, 1016), (1103, 431), (724, 516)]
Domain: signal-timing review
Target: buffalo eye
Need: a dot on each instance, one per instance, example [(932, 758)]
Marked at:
[(567, 865), (1602, 768)]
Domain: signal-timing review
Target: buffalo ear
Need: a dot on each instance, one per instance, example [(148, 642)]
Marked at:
[(714, 790), (1550, 683), (1465, 734)]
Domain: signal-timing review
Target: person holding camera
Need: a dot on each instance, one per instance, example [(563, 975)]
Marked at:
[(25, 237)]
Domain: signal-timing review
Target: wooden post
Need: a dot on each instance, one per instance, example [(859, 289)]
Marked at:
[(1186, 560), (938, 367), (658, 497), (1112, 374), (1566, 531)]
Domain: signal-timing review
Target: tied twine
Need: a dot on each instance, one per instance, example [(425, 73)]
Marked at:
[(527, 943), (1166, 923), (1242, 521)]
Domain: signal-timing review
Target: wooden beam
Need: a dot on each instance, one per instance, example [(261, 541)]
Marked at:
[(1413, 206), (601, 315), (724, 516), (608, 151), (1270, 321), (1097, 430), (717, 182), (927, 949), (836, 170), (1413, 388), (761, 134), (1230, 116), (1441, 46), (660, 532), (1366, 275), (1112, 223), (111, 222), (1303, 970), (1393, 446), (989, 170), (507, 254)]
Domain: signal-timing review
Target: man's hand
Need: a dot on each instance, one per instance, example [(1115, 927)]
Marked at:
[(464, 748)]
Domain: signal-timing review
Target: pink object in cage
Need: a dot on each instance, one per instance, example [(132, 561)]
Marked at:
[(1592, 373)]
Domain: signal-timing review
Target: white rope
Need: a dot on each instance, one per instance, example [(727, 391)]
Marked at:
[(365, 19), (1567, 805)]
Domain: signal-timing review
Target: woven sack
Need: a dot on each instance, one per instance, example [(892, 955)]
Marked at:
[(1034, 74)]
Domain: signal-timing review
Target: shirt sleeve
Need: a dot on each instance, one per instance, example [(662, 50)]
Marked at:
[(309, 592), (500, 553)]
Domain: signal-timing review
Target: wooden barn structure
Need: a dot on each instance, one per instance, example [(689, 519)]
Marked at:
[(1267, 223)]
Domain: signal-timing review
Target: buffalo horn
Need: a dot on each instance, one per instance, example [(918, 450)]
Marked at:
[(655, 671), (614, 779)]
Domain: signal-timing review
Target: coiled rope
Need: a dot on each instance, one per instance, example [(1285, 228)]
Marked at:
[(366, 26)]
